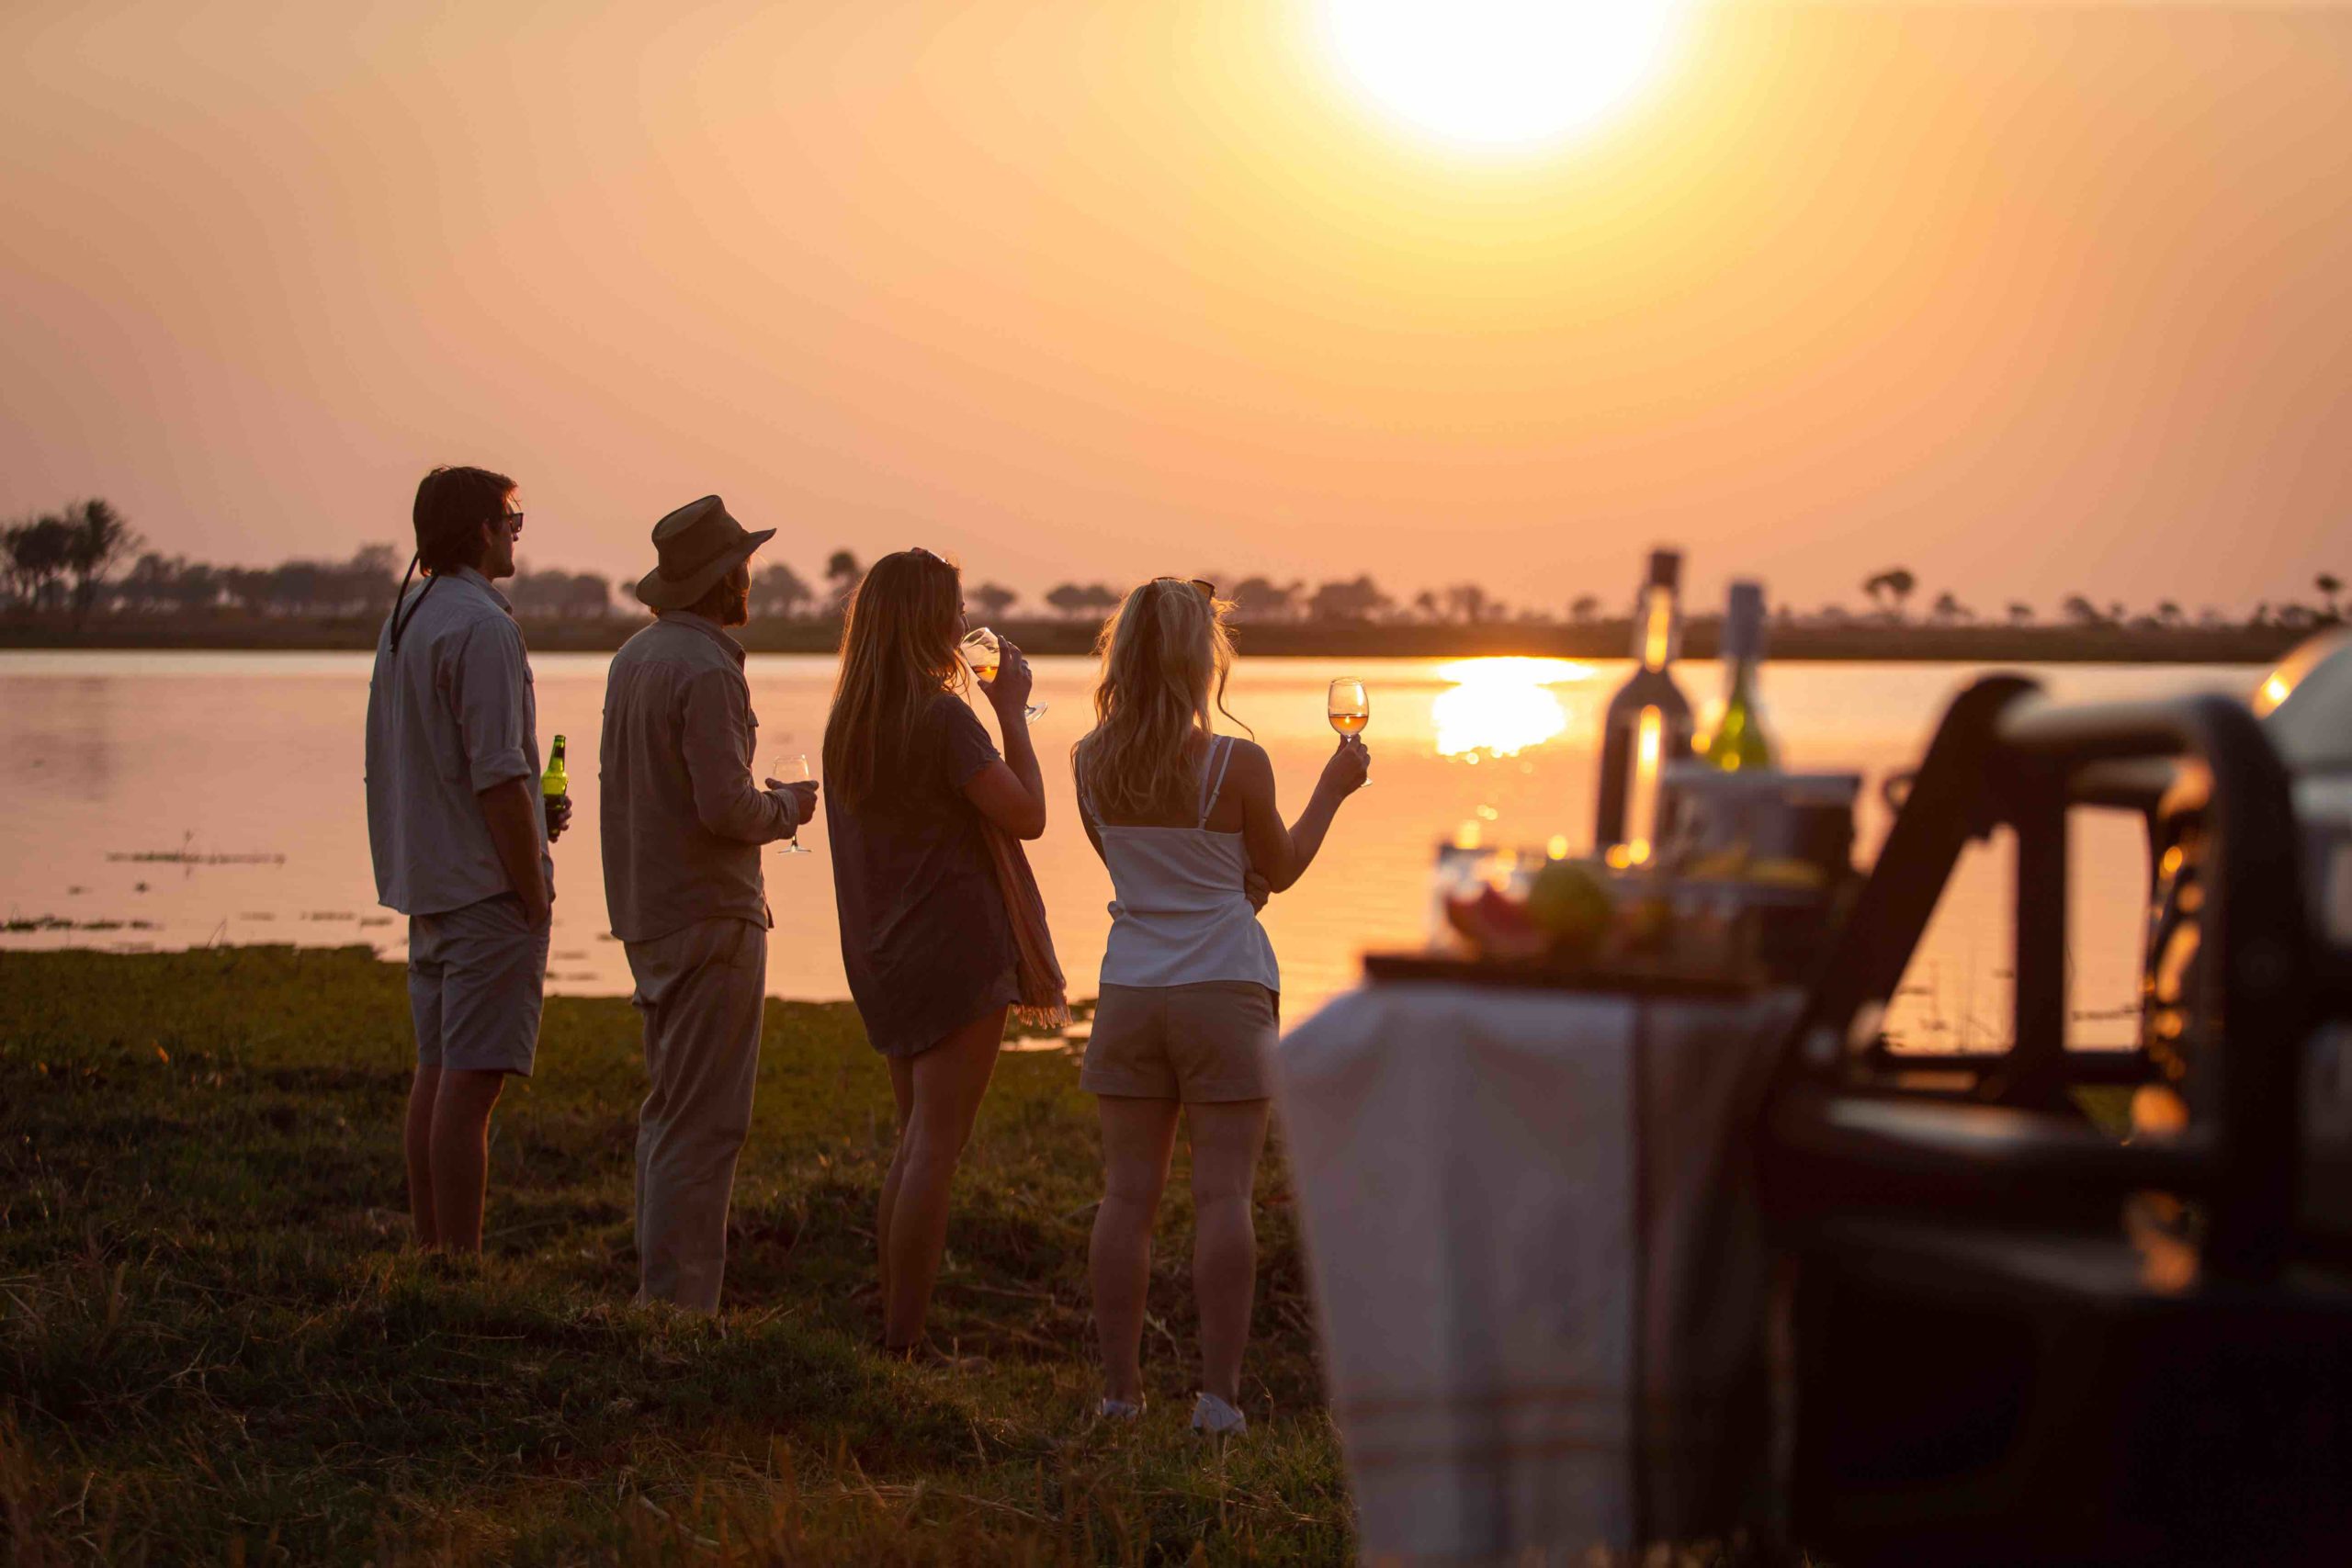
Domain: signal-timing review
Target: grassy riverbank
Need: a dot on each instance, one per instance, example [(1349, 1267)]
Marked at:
[(214, 1345), (1872, 642)]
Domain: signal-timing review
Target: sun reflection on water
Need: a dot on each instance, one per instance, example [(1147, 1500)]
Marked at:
[(1500, 707)]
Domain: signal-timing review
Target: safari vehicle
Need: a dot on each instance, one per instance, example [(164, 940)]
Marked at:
[(2052, 1304)]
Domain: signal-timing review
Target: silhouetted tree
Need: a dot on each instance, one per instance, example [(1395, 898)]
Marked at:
[(562, 593), (1896, 583), (842, 571), (293, 587), (2081, 611), (1262, 598), (2020, 614), (40, 552), (375, 577), (156, 582), (101, 538), (2329, 586), (1948, 609), (993, 598), (198, 586), (1425, 605), (1585, 607), (778, 592), (246, 588), (151, 584), (1070, 599), (1357, 600), (1467, 602), (2169, 615)]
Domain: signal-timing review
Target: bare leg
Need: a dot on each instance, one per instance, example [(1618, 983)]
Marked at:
[(949, 1079), (902, 1091), (1227, 1140), (416, 1143), (1137, 1137), (461, 1155)]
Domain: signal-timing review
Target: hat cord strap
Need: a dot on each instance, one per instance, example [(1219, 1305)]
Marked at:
[(398, 624)]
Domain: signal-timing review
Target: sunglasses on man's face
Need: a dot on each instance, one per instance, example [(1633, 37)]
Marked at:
[(1207, 589)]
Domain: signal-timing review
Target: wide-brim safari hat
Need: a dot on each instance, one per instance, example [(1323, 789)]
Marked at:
[(699, 544)]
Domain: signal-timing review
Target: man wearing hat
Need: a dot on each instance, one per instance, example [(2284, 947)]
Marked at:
[(682, 827)]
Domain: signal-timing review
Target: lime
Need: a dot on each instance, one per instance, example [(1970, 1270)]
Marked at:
[(1570, 903)]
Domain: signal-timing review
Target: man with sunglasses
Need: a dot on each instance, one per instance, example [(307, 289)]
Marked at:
[(459, 837)]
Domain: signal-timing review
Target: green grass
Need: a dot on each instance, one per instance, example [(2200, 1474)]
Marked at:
[(215, 1344)]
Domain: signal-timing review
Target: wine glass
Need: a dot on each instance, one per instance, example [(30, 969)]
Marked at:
[(1350, 707), (793, 769), (979, 650)]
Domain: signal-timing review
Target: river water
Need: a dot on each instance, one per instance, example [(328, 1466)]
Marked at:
[(171, 800)]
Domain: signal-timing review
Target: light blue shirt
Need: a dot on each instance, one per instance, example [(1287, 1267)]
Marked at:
[(451, 716)]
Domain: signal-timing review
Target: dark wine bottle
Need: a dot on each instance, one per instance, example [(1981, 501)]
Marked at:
[(1647, 726)]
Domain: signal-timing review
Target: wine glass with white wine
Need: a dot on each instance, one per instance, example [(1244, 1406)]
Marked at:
[(793, 769), (981, 650), (1350, 707)]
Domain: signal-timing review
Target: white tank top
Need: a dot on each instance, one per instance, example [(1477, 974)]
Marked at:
[(1179, 915)]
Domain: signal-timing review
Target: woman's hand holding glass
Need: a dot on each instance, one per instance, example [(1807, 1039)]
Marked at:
[(1003, 671), (1349, 768), (1350, 707)]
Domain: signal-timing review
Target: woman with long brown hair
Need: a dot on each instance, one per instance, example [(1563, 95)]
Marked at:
[(1189, 992), (938, 945)]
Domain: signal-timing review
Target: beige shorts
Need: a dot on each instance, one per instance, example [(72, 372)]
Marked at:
[(1205, 1043), (475, 978)]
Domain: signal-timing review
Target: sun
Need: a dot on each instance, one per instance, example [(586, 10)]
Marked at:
[(1503, 75)]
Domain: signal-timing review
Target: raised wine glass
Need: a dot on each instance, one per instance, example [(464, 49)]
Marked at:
[(981, 650), (793, 769), (1350, 707)]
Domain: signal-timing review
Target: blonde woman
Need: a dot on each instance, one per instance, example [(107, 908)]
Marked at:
[(931, 952), (1190, 990)]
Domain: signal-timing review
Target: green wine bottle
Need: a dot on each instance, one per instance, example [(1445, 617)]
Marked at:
[(1741, 743)]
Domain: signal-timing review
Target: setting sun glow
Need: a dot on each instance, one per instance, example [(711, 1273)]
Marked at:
[(1500, 707), (1503, 75)]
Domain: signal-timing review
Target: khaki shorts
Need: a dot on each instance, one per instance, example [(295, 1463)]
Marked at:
[(475, 977), (1205, 1043)]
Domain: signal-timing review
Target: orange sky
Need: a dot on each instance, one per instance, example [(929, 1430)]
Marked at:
[(2031, 300)]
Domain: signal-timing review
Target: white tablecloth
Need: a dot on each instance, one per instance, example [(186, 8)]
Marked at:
[(1512, 1200)]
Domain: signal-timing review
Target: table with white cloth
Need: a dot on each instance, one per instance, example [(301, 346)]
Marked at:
[(1537, 1259)]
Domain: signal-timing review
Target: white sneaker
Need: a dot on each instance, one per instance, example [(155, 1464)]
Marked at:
[(1214, 1416), (1119, 1410)]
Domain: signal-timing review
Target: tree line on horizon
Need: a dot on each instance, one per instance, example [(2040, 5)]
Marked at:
[(86, 559)]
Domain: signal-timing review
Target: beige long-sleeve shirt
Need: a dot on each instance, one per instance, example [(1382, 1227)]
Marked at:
[(682, 817)]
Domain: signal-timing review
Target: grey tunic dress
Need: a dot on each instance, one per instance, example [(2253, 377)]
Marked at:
[(925, 938)]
